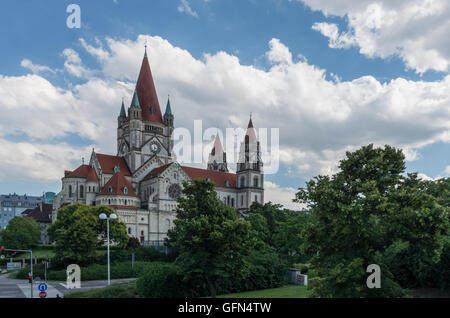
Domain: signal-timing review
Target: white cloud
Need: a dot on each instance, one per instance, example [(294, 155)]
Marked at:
[(284, 196), (74, 65), (185, 7), (35, 68), (319, 119), (36, 161), (415, 30)]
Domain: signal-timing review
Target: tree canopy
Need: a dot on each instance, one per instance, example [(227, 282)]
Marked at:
[(78, 231), (211, 238), (21, 233), (370, 212)]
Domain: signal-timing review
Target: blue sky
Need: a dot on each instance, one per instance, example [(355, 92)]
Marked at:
[(37, 32)]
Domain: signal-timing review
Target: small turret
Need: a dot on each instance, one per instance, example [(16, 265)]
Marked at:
[(123, 116), (135, 110), (168, 115), (217, 160)]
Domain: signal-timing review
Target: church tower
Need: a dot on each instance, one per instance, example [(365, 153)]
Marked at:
[(217, 160), (249, 174), (144, 137)]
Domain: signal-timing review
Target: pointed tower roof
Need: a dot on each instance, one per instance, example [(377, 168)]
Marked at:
[(122, 111), (217, 146), (135, 100), (168, 109), (250, 135), (147, 93)]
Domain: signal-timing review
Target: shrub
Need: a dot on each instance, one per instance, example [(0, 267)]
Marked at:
[(161, 280)]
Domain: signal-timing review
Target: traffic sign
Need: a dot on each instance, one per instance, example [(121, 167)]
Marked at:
[(42, 287), (2, 257), (37, 279), (43, 294)]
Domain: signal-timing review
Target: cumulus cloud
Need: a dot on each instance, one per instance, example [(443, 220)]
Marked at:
[(281, 195), (319, 119), (415, 30)]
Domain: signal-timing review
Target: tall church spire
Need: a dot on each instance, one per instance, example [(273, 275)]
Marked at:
[(122, 111), (146, 91)]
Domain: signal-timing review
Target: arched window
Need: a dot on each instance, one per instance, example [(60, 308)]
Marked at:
[(142, 233), (255, 182), (242, 182), (129, 230), (256, 198), (109, 201), (242, 200), (232, 202), (81, 191), (125, 190), (109, 189), (228, 200)]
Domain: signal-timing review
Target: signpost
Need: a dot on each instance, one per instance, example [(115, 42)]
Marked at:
[(31, 263), (42, 287)]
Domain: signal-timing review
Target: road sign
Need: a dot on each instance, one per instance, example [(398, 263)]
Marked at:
[(42, 287), (37, 279), (2, 256), (43, 294)]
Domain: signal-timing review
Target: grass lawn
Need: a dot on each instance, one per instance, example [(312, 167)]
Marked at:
[(124, 290), (128, 290), (290, 291)]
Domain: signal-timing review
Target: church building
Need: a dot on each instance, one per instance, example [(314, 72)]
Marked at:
[(143, 181)]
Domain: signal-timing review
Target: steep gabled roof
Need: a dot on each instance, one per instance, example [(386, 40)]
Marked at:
[(146, 93), (107, 164), (156, 172), (117, 184), (218, 178), (80, 172)]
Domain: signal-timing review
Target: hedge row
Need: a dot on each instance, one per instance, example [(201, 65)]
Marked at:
[(164, 280), (91, 272)]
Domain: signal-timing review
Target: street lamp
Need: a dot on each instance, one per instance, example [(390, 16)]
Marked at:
[(111, 217)]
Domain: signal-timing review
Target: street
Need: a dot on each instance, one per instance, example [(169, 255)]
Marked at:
[(17, 288)]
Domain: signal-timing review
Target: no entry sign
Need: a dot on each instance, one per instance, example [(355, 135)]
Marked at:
[(43, 294)]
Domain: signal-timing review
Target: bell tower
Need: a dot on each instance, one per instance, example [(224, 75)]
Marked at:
[(249, 174)]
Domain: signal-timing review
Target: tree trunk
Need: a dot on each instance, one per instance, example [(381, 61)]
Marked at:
[(212, 289)]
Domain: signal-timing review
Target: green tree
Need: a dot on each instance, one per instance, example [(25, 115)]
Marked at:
[(117, 229), (78, 231), (370, 213), (210, 237), (21, 233), (278, 229)]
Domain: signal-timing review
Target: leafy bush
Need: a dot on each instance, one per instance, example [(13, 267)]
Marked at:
[(124, 290), (161, 280), (91, 272)]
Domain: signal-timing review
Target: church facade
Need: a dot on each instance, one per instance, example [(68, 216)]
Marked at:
[(143, 180)]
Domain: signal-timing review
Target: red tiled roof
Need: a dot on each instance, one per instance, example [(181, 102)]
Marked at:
[(155, 172), (128, 207), (216, 177), (147, 94), (43, 215), (80, 172), (117, 183), (92, 175), (107, 163)]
